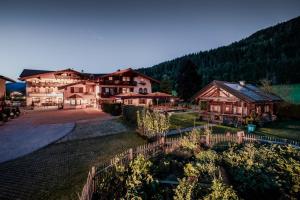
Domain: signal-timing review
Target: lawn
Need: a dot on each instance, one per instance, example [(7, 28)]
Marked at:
[(290, 93), (184, 120), (59, 171), (283, 129)]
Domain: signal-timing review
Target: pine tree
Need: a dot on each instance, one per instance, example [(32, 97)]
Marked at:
[(166, 84), (188, 80)]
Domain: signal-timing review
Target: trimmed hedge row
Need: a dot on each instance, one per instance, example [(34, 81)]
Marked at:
[(288, 111), (130, 113), (114, 109)]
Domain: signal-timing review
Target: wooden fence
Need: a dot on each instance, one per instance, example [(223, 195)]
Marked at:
[(166, 145)]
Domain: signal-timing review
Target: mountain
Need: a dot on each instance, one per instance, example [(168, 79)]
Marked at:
[(272, 53)]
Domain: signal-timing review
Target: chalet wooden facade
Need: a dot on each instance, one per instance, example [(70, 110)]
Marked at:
[(225, 102), (72, 89)]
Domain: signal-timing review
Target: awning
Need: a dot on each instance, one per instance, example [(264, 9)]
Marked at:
[(75, 96)]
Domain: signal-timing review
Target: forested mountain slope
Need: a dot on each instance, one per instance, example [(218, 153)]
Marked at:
[(272, 53)]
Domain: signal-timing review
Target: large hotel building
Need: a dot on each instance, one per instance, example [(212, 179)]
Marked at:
[(72, 89)]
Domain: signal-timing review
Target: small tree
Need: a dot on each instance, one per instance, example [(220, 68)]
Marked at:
[(266, 85), (151, 124)]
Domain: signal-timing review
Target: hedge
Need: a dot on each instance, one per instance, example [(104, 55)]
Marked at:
[(288, 111), (114, 109), (130, 113)]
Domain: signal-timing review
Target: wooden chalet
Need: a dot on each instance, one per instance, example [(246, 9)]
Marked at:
[(231, 103)]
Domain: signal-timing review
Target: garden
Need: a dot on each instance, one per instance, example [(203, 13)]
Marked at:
[(192, 170)]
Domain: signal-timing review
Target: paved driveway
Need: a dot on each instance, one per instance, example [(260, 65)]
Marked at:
[(35, 130)]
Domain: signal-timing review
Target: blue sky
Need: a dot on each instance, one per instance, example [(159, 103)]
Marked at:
[(103, 36)]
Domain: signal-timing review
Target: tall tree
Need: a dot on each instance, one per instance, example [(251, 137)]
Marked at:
[(188, 80), (166, 84)]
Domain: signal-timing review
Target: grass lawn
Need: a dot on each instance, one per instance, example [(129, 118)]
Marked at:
[(284, 129), (184, 120), (290, 93), (59, 170)]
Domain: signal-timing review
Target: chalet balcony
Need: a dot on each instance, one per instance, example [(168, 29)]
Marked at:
[(42, 94), (118, 82), (43, 84)]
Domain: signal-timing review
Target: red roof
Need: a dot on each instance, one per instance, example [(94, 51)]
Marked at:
[(119, 72)]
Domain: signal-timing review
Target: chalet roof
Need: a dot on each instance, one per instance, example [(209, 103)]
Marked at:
[(32, 72), (120, 72), (7, 79), (246, 92)]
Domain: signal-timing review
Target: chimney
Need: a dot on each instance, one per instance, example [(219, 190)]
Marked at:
[(242, 83)]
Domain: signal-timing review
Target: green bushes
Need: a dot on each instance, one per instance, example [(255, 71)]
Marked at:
[(264, 172), (289, 111), (114, 109), (151, 124), (241, 172), (129, 113)]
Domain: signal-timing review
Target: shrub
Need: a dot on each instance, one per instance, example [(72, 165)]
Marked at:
[(114, 109), (265, 172), (129, 113), (152, 124), (288, 111), (219, 191)]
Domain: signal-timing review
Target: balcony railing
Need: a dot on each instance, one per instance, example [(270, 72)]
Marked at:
[(42, 84), (118, 82)]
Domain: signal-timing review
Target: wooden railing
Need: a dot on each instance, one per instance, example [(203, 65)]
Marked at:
[(166, 145)]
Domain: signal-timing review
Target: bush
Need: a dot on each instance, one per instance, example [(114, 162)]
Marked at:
[(129, 113), (288, 111), (114, 109), (152, 124)]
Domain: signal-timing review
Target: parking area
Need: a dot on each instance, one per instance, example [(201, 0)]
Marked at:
[(36, 129)]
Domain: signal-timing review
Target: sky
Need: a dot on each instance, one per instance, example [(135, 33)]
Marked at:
[(103, 36)]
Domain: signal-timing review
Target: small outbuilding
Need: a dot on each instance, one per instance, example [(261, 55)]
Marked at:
[(227, 102)]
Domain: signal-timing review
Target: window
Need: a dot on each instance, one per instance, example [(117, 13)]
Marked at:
[(49, 90), (126, 78), (76, 89), (227, 108), (131, 89), (73, 102), (106, 90), (129, 101), (36, 100), (141, 90), (125, 90), (142, 101), (267, 108), (215, 108), (145, 90), (110, 78)]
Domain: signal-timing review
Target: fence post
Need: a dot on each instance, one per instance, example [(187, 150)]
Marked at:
[(207, 139), (130, 156), (240, 135)]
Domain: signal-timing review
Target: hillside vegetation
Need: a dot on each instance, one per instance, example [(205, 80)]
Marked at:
[(272, 53)]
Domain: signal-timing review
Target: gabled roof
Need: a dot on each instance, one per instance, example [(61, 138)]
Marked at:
[(32, 72), (246, 92), (7, 79), (120, 72), (26, 73)]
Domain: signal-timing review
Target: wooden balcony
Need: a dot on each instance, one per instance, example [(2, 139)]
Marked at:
[(118, 82)]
